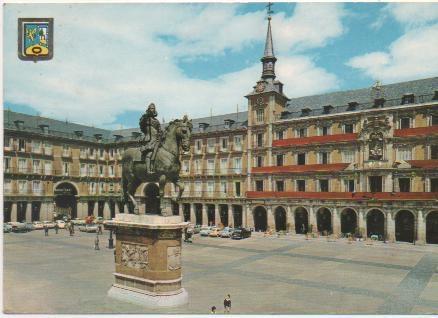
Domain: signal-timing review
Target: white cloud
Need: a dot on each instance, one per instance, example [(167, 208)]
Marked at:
[(411, 56), (110, 59)]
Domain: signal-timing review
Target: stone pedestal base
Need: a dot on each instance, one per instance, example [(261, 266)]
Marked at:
[(148, 260)]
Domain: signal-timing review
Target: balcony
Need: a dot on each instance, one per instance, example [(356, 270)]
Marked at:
[(48, 151), (357, 196), (331, 167), (416, 132), (36, 150), (315, 140), (83, 155), (424, 164), (66, 153)]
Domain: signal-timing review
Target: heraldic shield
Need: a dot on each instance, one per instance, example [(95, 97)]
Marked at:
[(35, 39)]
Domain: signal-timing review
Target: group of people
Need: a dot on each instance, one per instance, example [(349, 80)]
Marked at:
[(227, 305)]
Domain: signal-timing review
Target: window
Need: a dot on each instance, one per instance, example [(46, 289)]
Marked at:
[(237, 165), (47, 168), (323, 185), (101, 170), (36, 146), (65, 169), (210, 166), (6, 164), (83, 152), (324, 158), (324, 131), (223, 188), (197, 166), (434, 185), (111, 171), (434, 152), (279, 134), (90, 170), (237, 189), (198, 188), (210, 188), (65, 150), (7, 186), (348, 156), (349, 185), (348, 128), (259, 161), (260, 113), (301, 132), (375, 183), (21, 145), (280, 159), (259, 185), (22, 165), (224, 165), (36, 166), (279, 185), (185, 166), (210, 145), (405, 122), (301, 159), (111, 153), (111, 187), (237, 143), (101, 153), (22, 186), (301, 185), (404, 153), (36, 186), (434, 120), (408, 99), (198, 146), (102, 187), (260, 140), (404, 184), (83, 170), (47, 148), (224, 143), (7, 142), (92, 187), (91, 152)]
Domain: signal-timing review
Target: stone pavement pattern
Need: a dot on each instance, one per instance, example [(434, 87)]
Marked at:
[(290, 275)]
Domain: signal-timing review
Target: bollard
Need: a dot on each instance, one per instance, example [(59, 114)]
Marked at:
[(111, 240), (96, 243)]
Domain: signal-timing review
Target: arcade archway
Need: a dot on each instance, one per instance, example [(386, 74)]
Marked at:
[(376, 224), (301, 221), (324, 221), (432, 227), (36, 208), (210, 214), (7, 211), (280, 219), (223, 211), (65, 200), (186, 213), (404, 226), (237, 216), (198, 213), (348, 221), (152, 198), (260, 219)]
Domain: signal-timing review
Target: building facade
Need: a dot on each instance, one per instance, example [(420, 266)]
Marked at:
[(363, 161)]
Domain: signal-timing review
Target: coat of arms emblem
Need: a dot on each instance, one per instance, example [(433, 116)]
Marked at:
[(35, 39)]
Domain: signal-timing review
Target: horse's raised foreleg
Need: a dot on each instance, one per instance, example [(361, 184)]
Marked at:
[(132, 187)]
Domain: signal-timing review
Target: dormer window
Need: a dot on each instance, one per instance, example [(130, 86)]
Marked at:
[(98, 137), (135, 134), (203, 126), (19, 124), (352, 106), (408, 99), (228, 123), (118, 137), (435, 95), (327, 109), (305, 111), (379, 102), (79, 133), (44, 128)]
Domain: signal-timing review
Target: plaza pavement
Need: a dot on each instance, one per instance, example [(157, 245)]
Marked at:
[(264, 275)]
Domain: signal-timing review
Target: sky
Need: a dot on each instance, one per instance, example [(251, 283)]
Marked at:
[(111, 60)]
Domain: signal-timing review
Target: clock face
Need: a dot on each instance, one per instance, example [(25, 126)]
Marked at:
[(260, 87)]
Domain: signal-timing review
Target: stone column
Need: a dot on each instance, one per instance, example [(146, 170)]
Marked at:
[(49, 212), (248, 219), (362, 222), (180, 209), (390, 227), (14, 212), (95, 208), (82, 209), (28, 212), (421, 229), (336, 225), (106, 211), (192, 213), (231, 215), (312, 219), (116, 208), (271, 218), (291, 220), (204, 214), (217, 217)]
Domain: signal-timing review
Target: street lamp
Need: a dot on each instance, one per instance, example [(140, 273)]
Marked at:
[(111, 240)]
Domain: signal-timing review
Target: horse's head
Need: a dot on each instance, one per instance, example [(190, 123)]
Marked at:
[(183, 132)]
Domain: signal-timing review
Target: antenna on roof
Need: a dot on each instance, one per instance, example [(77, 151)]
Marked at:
[(237, 113), (211, 116)]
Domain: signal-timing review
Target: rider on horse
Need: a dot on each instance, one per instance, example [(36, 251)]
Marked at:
[(151, 128)]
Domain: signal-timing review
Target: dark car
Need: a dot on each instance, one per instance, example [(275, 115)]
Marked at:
[(240, 233)]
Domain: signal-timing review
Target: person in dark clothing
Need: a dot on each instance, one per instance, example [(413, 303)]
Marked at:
[(46, 230), (227, 304), (56, 228), (213, 310)]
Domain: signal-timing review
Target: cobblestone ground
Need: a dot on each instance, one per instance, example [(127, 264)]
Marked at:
[(264, 275)]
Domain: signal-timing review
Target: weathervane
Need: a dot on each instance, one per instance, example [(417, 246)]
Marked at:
[(270, 4)]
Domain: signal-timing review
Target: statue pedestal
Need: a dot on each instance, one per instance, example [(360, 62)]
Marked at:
[(148, 260)]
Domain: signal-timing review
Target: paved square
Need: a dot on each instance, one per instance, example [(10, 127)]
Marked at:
[(287, 275)]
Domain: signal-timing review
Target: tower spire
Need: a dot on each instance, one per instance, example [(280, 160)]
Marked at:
[(269, 59)]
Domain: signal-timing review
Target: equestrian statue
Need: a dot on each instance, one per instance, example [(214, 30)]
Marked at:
[(156, 157)]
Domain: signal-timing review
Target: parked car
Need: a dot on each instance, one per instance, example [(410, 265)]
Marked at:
[(214, 232), (88, 228), (99, 220), (227, 232), (49, 224), (29, 227), (78, 221), (7, 228), (61, 224), (196, 229), (240, 233), (38, 225), (205, 231), (17, 227)]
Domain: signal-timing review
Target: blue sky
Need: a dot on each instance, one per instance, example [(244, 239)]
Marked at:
[(111, 60)]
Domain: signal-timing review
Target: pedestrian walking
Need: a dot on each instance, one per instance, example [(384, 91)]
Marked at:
[(72, 227), (213, 310), (227, 304), (100, 229), (56, 228), (46, 230), (96, 243)]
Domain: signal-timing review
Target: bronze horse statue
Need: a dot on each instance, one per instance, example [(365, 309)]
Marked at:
[(166, 164)]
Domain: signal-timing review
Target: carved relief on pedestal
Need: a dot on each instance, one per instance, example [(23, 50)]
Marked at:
[(134, 256), (173, 258)]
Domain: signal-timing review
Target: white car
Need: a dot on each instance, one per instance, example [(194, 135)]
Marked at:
[(89, 228), (38, 225), (49, 224), (78, 221), (205, 230), (61, 224)]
